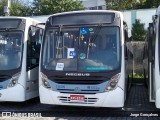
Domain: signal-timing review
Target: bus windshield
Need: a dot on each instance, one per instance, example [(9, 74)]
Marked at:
[(10, 49), (82, 49)]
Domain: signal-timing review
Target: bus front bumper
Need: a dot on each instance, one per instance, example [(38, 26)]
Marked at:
[(14, 94), (113, 98)]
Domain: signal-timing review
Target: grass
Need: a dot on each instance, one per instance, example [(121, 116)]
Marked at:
[(138, 76)]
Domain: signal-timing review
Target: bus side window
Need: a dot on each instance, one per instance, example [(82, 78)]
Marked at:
[(38, 41), (33, 47)]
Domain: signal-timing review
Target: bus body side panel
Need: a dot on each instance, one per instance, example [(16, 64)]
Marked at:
[(121, 82), (32, 83), (156, 73), (31, 74), (157, 102)]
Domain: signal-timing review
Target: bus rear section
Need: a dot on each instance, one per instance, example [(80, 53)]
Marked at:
[(18, 67), (152, 59), (82, 60)]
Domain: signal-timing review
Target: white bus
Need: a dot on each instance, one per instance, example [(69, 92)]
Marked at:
[(20, 41), (152, 59), (83, 59)]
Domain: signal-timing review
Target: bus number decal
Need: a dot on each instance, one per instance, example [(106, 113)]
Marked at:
[(71, 53)]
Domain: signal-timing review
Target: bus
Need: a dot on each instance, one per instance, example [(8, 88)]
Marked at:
[(152, 59), (20, 42), (82, 59)]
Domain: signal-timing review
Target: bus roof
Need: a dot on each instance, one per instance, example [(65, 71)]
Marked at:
[(14, 17), (86, 11), (84, 17)]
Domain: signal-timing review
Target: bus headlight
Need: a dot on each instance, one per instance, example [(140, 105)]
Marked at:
[(112, 84), (14, 80), (45, 81)]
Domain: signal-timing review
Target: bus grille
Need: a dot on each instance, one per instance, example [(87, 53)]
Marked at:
[(79, 92), (86, 101), (77, 81)]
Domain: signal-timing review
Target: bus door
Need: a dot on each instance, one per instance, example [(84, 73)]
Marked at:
[(33, 53)]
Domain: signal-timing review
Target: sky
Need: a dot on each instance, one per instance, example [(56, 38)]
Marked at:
[(28, 0)]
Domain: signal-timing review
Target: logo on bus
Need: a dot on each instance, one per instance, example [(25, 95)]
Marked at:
[(77, 74)]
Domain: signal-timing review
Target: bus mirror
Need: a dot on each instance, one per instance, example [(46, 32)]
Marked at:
[(37, 34), (154, 17), (41, 32), (151, 29), (33, 61)]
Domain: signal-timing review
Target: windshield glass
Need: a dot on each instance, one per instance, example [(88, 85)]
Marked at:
[(10, 49), (82, 49)]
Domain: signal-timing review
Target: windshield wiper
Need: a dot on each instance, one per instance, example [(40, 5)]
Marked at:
[(93, 38), (59, 42), (95, 34)]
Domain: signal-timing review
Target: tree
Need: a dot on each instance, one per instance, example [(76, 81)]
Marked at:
[(18, 8), (124, 4), (131, 4), (46, 7), (152, 3), (138, 31), (2, 4)]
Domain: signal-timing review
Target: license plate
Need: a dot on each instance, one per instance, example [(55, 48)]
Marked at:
[(77, 97)]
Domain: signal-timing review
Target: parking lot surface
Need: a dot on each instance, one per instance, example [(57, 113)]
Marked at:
[(137, 106)]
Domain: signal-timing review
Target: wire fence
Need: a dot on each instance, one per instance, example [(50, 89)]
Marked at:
[(137, 49)]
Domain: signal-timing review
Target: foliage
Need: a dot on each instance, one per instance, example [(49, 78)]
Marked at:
[(2, 4), (18, 8), (131, 4), (45, 7), (138, 76), (40, 7), (152, 3), (138, 31)]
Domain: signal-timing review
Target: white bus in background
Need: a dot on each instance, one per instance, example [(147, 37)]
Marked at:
[(152, 59), (83, 59), (20, 41)]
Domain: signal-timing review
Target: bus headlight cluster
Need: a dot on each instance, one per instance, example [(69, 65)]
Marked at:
[(14, 80), (112, 84), (45, 81)]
